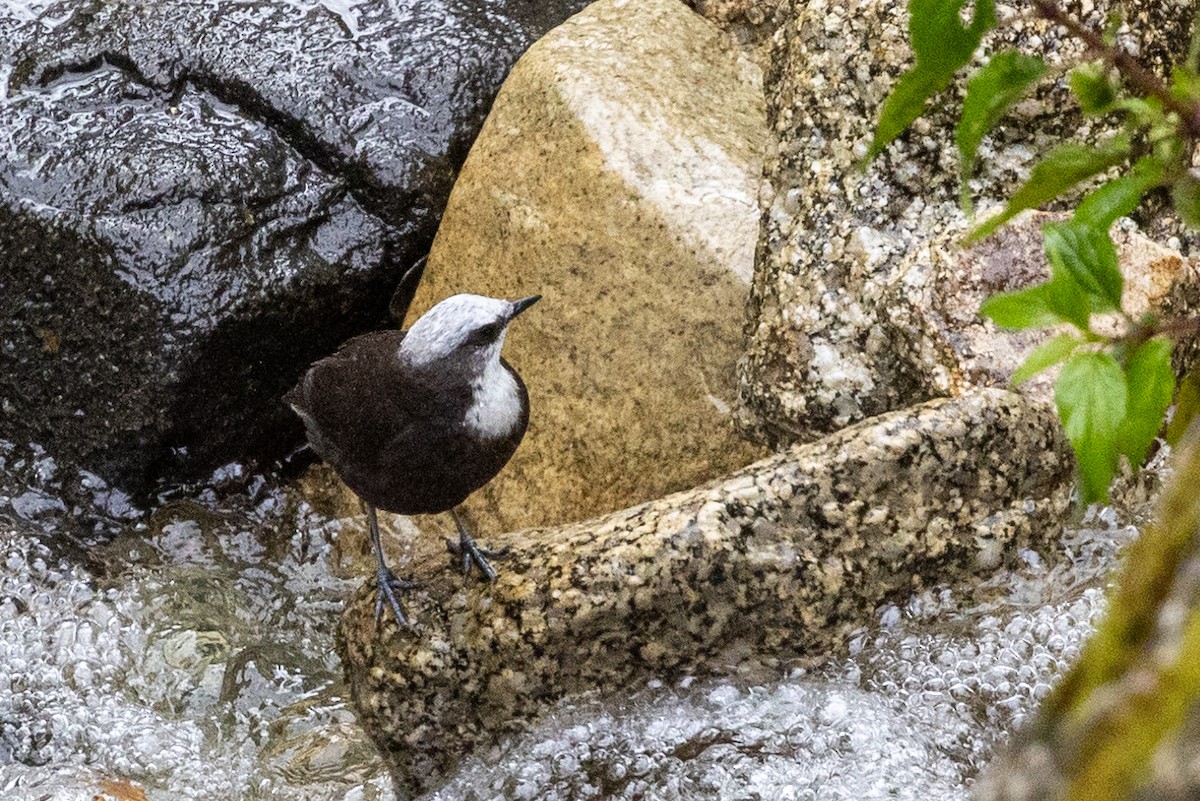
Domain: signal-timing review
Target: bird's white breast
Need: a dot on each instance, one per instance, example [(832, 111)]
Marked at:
[(495, 408)]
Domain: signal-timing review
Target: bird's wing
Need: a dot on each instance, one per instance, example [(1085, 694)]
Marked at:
[(351, 402)]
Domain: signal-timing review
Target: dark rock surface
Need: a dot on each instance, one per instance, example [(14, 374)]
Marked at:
[(197, 200)]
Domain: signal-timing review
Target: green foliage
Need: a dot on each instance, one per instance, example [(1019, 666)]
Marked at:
[(1094, 88), (942, 47), (1087, 254), (1045, 356), (1067, 299), (1111, 402), (1108, 727), (991, 93), (1120, 196), (1064, 167), (1187, 404), (1025, 308), (1091, 399), (1114, 389), (1084, 278), (1150, 385), (1185, 194)]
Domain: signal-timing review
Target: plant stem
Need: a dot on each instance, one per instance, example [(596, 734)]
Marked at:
[(1142, 79), (1175, 329)]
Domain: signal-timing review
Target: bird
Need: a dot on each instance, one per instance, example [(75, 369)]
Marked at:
[(415, 421)]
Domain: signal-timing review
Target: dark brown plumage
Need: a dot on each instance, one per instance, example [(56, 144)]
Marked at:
[(416, 421), (405, 450)]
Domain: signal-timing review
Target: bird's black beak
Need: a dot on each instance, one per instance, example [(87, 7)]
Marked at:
[(521, 305)]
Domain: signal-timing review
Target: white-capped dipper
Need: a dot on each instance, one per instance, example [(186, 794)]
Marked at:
[(415, 421)]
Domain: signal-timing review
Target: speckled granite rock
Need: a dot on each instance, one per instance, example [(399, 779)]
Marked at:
[(617, 175), (935, 295), (830, 347), (778, 560), (751, 22)]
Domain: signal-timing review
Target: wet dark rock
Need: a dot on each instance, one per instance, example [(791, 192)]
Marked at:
[(162, 273), (197, 200)]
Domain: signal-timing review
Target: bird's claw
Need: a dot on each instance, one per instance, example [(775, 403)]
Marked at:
[(389, 584), (474, 556)]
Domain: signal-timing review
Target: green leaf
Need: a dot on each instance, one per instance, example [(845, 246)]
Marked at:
[(1185, 195), (1090, 395), (1120, 196), (1150, 385), (1065, 166), (1185, 84), (942, 46), (1089, 256), (1187, 404), (1045, 355), (1112, 25), (1067, 299), (990, 93), (1025, 308), (1093, 88), (904, 104), (1144, 111)]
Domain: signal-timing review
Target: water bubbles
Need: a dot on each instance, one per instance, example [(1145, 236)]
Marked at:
[(162, 671), (44, 468), (834, 711), (127, 676), (723, 695), (890, 617)]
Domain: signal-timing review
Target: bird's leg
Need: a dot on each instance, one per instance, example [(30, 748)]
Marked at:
[(471, 553), (389, 583)]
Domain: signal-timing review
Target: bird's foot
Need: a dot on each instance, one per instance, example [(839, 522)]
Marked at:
[(389, 586), (474, 556)]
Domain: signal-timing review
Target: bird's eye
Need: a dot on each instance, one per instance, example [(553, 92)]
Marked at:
[(485, 335)]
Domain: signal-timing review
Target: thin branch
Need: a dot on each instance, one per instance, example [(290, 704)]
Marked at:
[(1142, 79), (1175, 329)]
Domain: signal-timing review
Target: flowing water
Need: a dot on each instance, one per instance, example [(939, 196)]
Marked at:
[(192, 657)]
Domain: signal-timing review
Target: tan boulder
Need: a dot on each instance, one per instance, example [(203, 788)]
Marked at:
[(618, 176)]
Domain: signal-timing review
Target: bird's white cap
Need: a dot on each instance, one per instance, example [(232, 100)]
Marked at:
[(453, 326)]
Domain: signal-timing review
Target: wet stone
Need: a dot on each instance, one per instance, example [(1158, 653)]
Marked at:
[(199, 199), (145, 314)]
